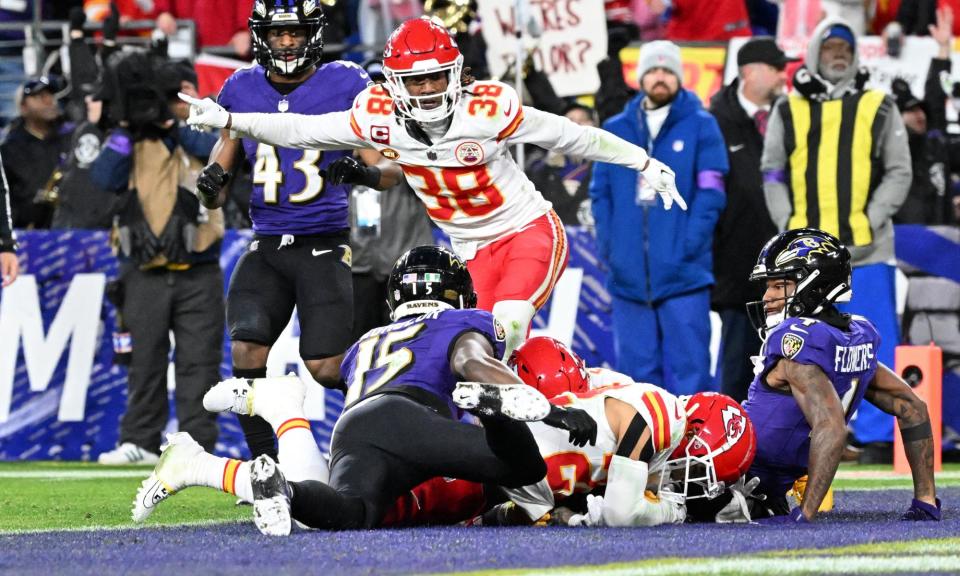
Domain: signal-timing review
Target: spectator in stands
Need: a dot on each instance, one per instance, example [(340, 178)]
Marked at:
[(742, 109), (32, 152), (81, 204), (928, 201), (169, 263), (835, 157), (660, 262), (690, 21), (219, 22), (9, 265), (563, 180)]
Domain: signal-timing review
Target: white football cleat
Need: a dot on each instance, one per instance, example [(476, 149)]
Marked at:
[(514, 401), (233, 394), (127, 453), (275, 399), (271, 499), (172, 473)]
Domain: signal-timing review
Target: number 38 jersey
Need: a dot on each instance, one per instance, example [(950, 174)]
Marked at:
[(470, 184), (571, 469), (289, 194), (414, 353), (847, 357)]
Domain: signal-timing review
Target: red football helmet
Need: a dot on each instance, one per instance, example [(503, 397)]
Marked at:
[(550, 366), (718, 447), (422, 46)]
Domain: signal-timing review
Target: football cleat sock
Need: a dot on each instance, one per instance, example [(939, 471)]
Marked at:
[(256, 430), (299, 452), (515, 317)]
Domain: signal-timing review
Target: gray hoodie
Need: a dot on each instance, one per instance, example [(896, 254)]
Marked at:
[(893, 149)]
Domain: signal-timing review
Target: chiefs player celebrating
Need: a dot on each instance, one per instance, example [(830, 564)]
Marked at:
[(450, 136)]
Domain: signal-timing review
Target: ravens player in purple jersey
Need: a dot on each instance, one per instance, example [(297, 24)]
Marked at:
[(402, 424), (300, 254), (815, 367)]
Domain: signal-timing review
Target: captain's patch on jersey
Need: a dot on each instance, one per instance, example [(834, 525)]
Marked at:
[(499, 331), (791, 345), (469, 153), (380, 134)]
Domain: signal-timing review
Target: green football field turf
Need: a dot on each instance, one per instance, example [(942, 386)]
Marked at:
[(70, 495)]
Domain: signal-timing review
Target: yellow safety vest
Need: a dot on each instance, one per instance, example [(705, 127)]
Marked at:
[(833, 162)]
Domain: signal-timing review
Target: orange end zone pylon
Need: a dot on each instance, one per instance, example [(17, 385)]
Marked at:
[(922, 368)]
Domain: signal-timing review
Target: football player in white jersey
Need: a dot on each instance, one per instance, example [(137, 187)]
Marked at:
[(450, 135), (644, 435)]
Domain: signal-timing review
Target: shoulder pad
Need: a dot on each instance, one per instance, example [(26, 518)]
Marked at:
[(494, 105), (795, 337), (372, 106)]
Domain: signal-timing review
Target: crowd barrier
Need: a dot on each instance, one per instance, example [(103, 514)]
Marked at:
[(61, 397)]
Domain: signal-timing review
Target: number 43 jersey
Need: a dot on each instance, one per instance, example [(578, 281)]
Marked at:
[(847, 357), (289, 194), (414, 353)]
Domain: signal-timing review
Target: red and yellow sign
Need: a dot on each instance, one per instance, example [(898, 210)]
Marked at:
[(702, 68)]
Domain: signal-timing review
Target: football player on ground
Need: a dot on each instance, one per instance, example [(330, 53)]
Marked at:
[(300, 254), (450, 134), (815, 366), (401, 423), (644, 434)]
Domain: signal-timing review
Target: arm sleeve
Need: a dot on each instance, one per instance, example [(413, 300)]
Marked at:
[(601, 204), (562, 135), (197, 144), (8, 239), (332, 131), (111, 170), (897, 171), (709, 198), (934, 98), (627, 503), (774, 164)]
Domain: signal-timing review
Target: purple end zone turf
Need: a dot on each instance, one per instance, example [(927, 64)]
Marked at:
[(861, 517)]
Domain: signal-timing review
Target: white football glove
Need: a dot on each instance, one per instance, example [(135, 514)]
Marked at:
[(737, 510), (663, 181), (594, 514), (204, 112)]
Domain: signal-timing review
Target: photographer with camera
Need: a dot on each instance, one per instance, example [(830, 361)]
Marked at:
[(170, 278)]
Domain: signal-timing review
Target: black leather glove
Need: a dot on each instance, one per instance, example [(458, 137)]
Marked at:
[(582, 427), (348, 170), (210, 181)]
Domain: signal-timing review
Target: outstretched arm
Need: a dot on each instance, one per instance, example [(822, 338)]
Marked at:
[(890, 393), (561, 134), (331, 131), (821, 406)]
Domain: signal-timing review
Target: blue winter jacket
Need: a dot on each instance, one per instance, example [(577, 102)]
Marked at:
[(652, 253)]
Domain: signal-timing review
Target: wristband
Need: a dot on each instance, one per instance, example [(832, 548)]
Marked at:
[(371, 177)]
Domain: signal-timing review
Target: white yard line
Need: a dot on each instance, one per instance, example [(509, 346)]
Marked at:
[(73, 474), (802, 565)]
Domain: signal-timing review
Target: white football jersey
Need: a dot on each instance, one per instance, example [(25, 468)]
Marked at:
[(571, 469), (471, 186)]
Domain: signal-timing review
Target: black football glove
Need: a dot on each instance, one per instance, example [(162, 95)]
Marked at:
[(348, 170), (582, 427), (210, 181)]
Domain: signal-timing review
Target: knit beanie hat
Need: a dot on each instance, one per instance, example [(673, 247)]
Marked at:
[(660, 54)]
